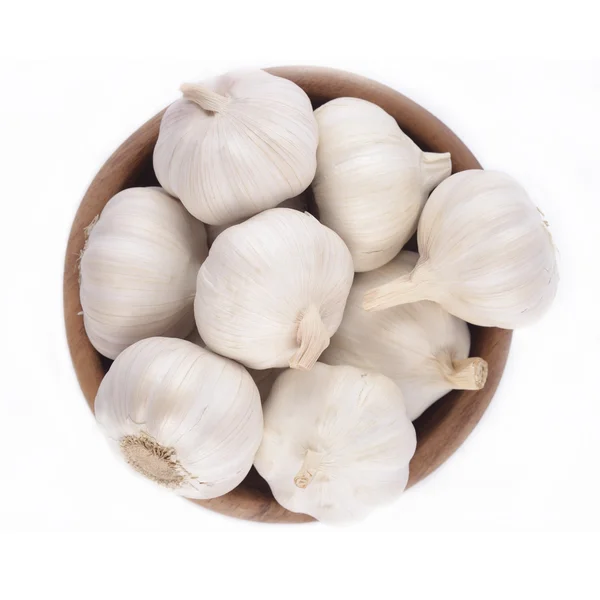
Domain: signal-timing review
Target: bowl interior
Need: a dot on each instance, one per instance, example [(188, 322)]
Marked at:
[(440, 430)]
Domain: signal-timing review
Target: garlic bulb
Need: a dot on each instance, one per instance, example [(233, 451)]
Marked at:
[(420, 346), (486, 254), (372, 180), (236, 145), (138, 270), (337, 442), (273, 289), (297, 203), (183, 417)]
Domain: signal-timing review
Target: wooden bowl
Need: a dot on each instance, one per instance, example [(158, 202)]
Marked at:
[(440, 430)]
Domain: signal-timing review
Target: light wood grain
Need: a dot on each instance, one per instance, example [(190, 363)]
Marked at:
[(440, 430)]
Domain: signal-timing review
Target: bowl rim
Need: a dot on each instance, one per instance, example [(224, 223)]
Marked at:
[(441, 429)]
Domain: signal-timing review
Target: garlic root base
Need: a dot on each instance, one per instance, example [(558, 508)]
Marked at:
[(155, 462)]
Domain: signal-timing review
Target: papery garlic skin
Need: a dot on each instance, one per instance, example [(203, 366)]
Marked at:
[(420, 346), (486, 254), (236, 145), (138, 270), (337, 442), (273, 289), (297, 203), (183, 417), (372, 180)]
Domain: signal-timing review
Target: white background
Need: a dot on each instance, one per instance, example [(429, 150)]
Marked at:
[(76, 79)]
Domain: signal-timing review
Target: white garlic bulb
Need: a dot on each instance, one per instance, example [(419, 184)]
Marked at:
[(297, 203), (273, 289), (372, 180), (337, 442), (236, 145), (420, 346), (138, 270), (486, 254), (183, 417)]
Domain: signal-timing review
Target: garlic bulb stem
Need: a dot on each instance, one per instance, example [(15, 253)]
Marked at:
[(313, 338), (204, 97), (402, 290), (153, 461), (467, 374), (435, 167), (309, 468)]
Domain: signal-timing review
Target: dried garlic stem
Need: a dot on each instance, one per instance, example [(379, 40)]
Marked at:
[(468, 374), (313, 338), (399, 291), (204, 97), (435, 167), (309, 468), (149, 458)]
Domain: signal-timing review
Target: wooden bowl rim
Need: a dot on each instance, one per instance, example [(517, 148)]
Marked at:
[(442, 429)]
